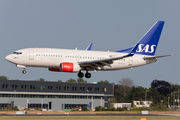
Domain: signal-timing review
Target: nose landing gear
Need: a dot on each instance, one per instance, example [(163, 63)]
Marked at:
[(22, 66), (24, 71)]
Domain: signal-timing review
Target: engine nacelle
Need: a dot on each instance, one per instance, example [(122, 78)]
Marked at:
[(66, 67), (69, 67)]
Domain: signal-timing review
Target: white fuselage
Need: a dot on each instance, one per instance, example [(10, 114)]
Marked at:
[(51, 58)]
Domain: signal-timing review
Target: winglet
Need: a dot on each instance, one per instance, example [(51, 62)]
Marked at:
[(89, 47)]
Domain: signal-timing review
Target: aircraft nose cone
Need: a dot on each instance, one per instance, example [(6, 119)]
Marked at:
[(8, 58)]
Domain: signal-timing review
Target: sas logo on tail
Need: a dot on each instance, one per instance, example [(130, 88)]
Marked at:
[(146, 49)]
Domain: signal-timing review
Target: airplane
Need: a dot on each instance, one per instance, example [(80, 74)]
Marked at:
[(76, 61)]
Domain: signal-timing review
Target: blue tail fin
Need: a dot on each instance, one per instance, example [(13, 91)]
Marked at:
[(148, 43)]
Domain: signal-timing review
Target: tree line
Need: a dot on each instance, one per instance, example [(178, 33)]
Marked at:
[(79, 80), (161, 93)]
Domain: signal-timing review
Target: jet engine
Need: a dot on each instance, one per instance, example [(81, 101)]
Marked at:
[(66, 67)]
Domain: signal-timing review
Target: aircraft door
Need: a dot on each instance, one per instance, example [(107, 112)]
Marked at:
[(31, 54)]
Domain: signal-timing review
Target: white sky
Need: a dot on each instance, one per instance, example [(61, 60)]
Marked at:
[(108, 24)]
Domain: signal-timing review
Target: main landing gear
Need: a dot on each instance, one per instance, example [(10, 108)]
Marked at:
[(81, 75)]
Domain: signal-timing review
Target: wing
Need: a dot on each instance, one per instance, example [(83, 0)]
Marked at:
[(99, 64)]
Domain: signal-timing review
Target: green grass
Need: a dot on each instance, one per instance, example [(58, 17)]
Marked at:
[(88, 118)]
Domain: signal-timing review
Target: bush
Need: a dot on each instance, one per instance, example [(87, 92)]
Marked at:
[(98, 108), (84, 109), (37, 108), (75, 109), (112, 109), (124, 108), (9, 107), (27, 109), (140, 108), (119, 109), (160, 108)]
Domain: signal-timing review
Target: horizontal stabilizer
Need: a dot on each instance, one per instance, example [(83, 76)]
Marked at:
[(155, 57)]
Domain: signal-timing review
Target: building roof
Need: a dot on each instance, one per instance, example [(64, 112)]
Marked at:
[(58, 88)]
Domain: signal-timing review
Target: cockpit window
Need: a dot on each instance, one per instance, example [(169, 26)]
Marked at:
[(18, 53)]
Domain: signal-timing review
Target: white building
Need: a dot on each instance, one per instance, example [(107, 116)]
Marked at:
[(122, 105), (142, 103)]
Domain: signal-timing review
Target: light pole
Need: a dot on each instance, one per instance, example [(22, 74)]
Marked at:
[(41, 104), (178, 99), (146, 97), (87, 95), (171, 99), (174, 99), (168, 101)]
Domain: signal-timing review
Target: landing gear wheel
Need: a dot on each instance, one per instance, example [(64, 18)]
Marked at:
[(80, 74), (88, 75), (24, 71)]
